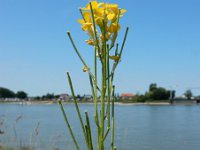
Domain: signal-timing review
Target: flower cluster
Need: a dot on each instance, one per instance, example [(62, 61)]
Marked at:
[(101, 22)]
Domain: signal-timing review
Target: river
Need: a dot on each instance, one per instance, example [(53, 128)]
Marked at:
[(138, 127)]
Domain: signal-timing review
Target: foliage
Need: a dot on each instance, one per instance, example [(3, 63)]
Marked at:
[(48, 96), (6, 93), (160, 93), (139, 98), (157, 93), (173, 94), (21, 95), (188, 94), (152, 87)]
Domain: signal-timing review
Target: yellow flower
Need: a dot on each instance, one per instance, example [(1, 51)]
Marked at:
[(103, 12), (122, 11), (81, 21), (113, 28), (110, 16), (94, 4), (99, 21), (86, 26), (86, 16)]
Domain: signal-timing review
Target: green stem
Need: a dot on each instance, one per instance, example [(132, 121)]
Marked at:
[(109, 88), (79, 55), (76, 106), (96, 116), (82, 14), (116, 33), (126, 33), (68, 125), (102, 108), (88, 132), (95, 33), (103, 89), (113, 122), (120, 54), (107, 131)]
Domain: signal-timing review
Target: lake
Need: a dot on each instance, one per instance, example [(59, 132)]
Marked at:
[(138, 127)]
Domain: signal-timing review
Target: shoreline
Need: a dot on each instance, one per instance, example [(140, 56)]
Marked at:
[(48, 102)]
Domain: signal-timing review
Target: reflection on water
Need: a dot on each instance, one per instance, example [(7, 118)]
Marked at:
[(138, 127)]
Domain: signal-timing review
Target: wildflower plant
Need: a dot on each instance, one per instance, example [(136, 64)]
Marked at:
[(100, 21)]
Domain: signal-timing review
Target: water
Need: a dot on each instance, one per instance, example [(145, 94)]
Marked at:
[(138, 127)]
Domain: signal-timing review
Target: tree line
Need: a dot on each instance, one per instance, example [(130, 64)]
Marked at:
[(156, 93), (7, 93)]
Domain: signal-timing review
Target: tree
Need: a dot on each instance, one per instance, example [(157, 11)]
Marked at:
[(173, 94), (37, 98), (21, 95), (152, 87), (160, 94), (188, 94), (48, 96), (157, 93), (6, 93)]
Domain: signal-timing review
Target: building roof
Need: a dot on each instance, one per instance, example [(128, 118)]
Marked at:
[(126, 95)]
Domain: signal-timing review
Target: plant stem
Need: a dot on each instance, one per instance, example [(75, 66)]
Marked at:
[(126, 33), (76, 106), (108, 92), (113, 121), (68, 125), (102, 107), (88, 132), (109, 88), (96, 116), (95, 32), (103, 89), (79, 55), (120, 54)]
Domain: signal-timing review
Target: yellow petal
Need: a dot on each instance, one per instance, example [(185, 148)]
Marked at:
[(86, 26), (110, 16), (89, 42), (81, 21), (113, 5), (99, 12), (99, 21), (94, 4), (115, 58), (100, 4), (122, 11), (86, 16), (113, 28), (115, 10)]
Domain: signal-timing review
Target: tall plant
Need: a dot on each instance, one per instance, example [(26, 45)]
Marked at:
[(101, 23)]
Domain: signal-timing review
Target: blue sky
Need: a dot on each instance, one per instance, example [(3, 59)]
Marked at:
[(163, 46)]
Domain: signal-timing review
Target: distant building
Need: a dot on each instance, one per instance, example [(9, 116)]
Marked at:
[(65, 97), (11, 100), (126, 96), (87, 97)]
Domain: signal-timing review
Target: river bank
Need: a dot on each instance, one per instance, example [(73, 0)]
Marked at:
[(49, 102)]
